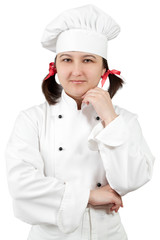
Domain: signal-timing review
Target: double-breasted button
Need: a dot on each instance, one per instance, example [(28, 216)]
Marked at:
[(98, 184), (60, 148), (97, 118), (60, 116)]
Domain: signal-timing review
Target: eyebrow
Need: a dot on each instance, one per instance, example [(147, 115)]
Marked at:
[(82, 56)]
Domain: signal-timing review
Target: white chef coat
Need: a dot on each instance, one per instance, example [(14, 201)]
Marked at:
[(56, 154)]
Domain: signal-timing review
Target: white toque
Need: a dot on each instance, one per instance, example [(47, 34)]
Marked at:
[(85, 29)]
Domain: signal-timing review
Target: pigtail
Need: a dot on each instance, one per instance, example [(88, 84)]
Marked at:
[(51, 90), (115, 82)]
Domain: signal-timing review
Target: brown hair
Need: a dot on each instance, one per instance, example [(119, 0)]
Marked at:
[(52, 90)]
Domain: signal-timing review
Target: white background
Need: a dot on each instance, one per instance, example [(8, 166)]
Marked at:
[(136, 51)]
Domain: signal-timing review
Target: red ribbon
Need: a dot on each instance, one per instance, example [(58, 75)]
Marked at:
[(52, 70), (105, 75)]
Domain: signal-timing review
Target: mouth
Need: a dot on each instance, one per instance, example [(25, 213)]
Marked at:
[(77, 81)]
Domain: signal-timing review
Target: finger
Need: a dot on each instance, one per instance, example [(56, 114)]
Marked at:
[(89, 99), (121, 201), (90, 94), (114, 209), (121, 204), (94, 97), (117, 206), (119, 198), (94, 90)]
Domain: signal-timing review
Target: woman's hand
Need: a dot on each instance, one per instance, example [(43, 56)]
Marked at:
[(101, 101), (106, 195)]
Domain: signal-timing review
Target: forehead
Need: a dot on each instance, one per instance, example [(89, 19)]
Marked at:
[(78, 54)]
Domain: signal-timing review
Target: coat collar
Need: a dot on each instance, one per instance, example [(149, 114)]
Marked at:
[(71, 102), (66, 103)]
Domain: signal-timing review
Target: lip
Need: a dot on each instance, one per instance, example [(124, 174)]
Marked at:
[(77, 81)]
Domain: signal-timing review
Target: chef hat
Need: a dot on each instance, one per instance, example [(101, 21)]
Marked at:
[(85, 29)]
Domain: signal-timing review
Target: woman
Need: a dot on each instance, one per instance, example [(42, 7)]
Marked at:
[(70, 159)]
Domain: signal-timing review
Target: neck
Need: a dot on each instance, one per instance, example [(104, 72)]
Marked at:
[(79, 102)]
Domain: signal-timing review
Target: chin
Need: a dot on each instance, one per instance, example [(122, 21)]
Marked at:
[(79, 92)]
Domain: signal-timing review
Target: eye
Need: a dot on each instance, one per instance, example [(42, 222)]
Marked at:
[(66, 59), (88, 60)]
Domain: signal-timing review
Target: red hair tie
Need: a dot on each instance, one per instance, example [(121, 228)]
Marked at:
[(105, 75), (52, 70)]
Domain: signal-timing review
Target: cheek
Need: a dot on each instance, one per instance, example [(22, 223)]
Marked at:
[(95, 72), (62, 74), (95, 77)]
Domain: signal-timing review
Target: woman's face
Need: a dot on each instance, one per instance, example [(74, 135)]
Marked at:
[(78, 72)]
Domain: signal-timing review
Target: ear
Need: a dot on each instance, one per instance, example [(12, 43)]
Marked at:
[(103, 71)]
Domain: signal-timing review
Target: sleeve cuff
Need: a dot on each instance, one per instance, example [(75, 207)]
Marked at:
[(75, 201), (114, 134)]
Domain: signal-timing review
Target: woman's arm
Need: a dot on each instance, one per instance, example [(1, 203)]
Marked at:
[(40, 199), (105, 195), (126, 156)]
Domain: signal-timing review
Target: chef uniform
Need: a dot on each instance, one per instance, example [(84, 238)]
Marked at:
[(57, 153)]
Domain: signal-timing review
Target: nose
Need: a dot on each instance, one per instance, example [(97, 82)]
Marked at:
[(77, 69)]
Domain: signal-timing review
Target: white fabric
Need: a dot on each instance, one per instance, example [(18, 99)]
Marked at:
[(50, 188), (86, 29), (83, 41)]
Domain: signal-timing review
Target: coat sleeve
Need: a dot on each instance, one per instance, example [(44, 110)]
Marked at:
[(39, 199), (126, 157)]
